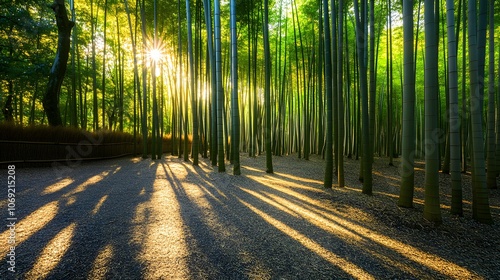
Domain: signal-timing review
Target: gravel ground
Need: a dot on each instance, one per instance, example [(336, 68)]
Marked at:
[(142, 219)]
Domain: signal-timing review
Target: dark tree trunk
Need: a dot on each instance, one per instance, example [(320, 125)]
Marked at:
[(7, 108), (58, 70)]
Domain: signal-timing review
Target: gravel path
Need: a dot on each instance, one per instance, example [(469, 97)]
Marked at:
[(143, 219)]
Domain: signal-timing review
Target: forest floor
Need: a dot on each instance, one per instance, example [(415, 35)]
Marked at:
[(143, 219)]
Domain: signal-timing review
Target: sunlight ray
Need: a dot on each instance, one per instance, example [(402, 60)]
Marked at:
[(392, 178), (418, 200), (348, 267), (52, 254), (89, 182), (252, 169), (300, 179), (206, 184), (289, 181), (350, 236), (30, 225), (270, 202), (158, 230), (101, 263), (276, 185), (99, 205), (58, 186), (431, 261)]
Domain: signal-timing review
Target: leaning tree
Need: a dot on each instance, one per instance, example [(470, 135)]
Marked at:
[(58, 70)]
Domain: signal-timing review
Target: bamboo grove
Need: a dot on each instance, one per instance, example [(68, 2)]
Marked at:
[(339, 79)]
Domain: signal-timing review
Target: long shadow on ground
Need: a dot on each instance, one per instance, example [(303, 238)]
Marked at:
[(269, 226), (84, 226), (143, 219)]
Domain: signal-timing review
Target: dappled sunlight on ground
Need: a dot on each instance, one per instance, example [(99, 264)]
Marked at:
[(30, 225), (101, 263), (406, 251), (271, 201), (253, 169), (179, 221), (298, 179), (395, 196), (58, 186), (340, 262), (328, 219), (89, 182), (99, 205), (158, 231), (290, 185), (391, 179), (290, 189)]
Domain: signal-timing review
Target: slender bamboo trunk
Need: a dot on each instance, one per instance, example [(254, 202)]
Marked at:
[(491, 180), (360, 19), (321, 137), (480, 200), (456, 184), (220, 94), (207, 6), (334, 80), (235, 116), (340, 108), (144, 85), (73, 107), (267, 88), (464, 119), (103, 85), (431, 204), (390, 143), (408, 150), (497, 152), (192, 87), (328, 97)]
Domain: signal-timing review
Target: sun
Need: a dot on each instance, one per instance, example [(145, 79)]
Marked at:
[(155, 55), (155, 51)]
